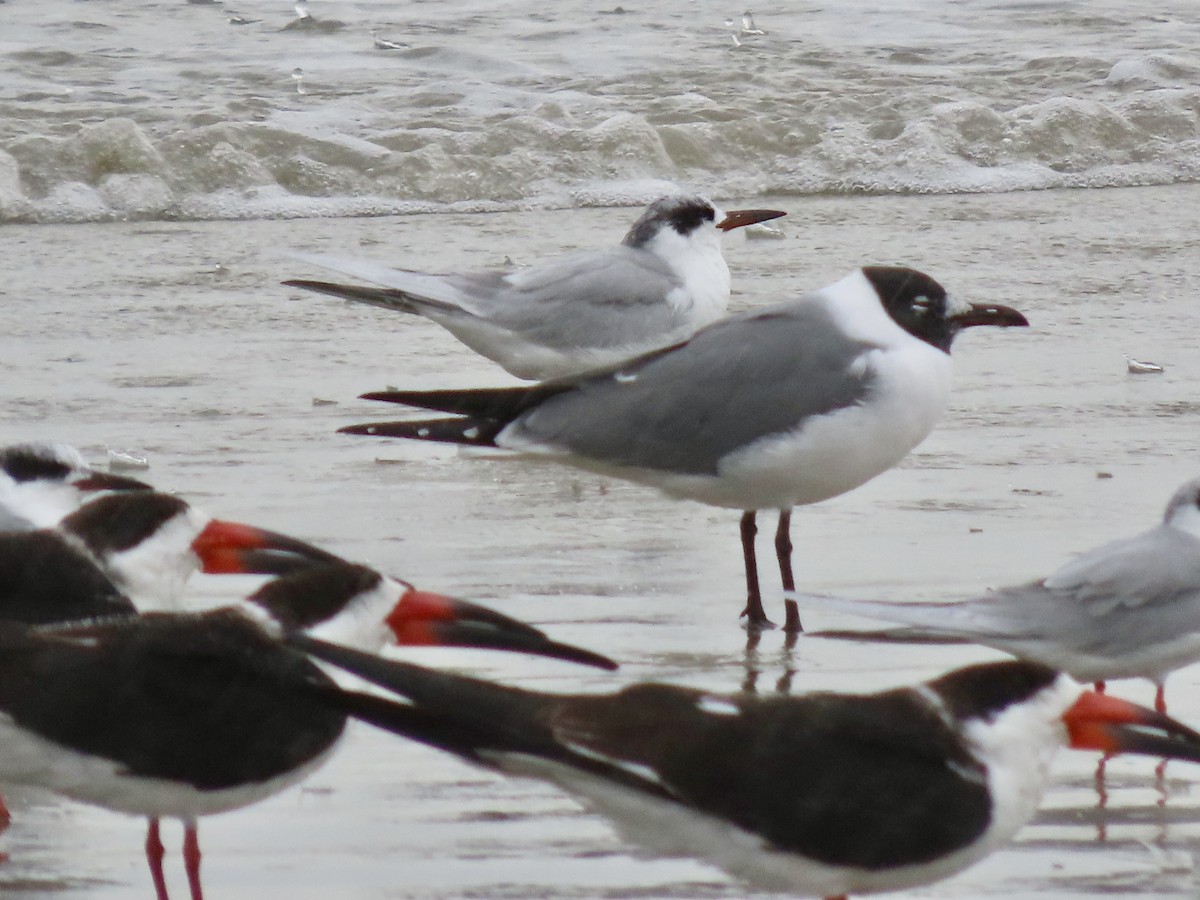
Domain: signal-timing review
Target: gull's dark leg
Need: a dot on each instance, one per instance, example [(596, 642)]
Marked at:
[(756, 618), (783, 552)]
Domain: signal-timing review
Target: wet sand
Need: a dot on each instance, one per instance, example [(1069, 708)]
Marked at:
[(175, 341)]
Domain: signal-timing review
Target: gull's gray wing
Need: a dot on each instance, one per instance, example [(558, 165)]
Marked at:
[(685, 408)]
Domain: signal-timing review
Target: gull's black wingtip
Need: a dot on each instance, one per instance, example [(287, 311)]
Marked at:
[(367, 428), (464, 431)]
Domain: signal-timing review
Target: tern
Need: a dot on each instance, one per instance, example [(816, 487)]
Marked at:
[(1127, 609), (666, 279), (767, 409), (826, 794)]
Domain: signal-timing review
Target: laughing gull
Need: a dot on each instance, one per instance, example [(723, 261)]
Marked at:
[(825, 794), (767, 409), (666, 279), (1127, 609)]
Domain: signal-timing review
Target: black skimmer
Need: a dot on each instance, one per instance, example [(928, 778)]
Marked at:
[(357, 606), (42, 482), (148, 544), (1127, 609), (128, 552), (185, 715), (666, 279), (826, 794), (768, 409)]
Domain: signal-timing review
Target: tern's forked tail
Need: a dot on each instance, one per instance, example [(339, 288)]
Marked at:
[(936, 623)]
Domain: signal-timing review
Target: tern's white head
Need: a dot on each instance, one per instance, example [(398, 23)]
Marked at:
[(685, 233)]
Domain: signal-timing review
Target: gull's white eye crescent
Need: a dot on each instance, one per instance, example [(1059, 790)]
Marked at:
[(921, 304)]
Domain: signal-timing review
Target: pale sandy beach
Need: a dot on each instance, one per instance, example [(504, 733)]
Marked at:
[(175, 341)]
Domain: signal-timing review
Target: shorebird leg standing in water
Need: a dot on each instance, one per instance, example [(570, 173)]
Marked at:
[(756, 616)]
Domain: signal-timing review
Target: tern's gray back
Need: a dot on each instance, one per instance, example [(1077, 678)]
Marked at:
[(683, 410), (1137, 572), (1132, 592), (611, 297)]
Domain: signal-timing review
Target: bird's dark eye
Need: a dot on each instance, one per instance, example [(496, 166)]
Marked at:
[(921, 304)]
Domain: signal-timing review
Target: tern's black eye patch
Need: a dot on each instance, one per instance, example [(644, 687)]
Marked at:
[(691, 216), (683, 214)]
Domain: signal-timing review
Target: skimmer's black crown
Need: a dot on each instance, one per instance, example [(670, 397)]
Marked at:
[(684, 213), (33, 462), (310, 597), (121, 521), (984, 691)]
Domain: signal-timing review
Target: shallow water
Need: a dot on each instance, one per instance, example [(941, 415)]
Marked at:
[(174, 341), (159, 109)]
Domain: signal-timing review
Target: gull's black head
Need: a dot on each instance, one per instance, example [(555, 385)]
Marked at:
[(921, 306), (685, 213)]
